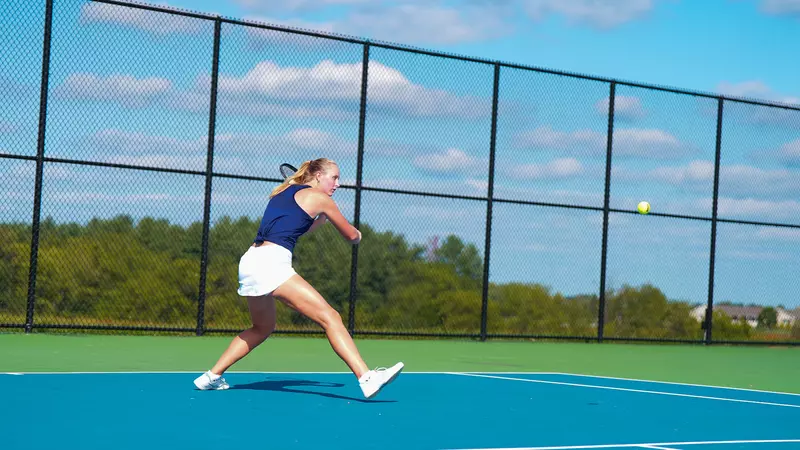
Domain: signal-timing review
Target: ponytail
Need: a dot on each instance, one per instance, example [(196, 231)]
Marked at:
[(304, 174)]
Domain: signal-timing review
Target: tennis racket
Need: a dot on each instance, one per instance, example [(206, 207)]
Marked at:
[(287, 170)]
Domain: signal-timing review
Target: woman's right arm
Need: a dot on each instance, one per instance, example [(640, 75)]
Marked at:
[(331, 210)]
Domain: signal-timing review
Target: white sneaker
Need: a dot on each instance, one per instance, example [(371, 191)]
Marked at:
[(210, 382), (373, 381)]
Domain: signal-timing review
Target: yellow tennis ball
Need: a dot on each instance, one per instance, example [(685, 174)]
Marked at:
[(643, 207)]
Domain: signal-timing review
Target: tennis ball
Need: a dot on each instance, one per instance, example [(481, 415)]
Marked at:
[(643, 207)]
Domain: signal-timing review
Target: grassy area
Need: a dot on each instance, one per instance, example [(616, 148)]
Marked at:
[(768, 368)]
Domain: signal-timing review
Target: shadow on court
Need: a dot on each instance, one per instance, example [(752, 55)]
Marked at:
[(288, 385)]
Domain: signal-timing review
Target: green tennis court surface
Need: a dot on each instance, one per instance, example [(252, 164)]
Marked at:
[(768, 368)]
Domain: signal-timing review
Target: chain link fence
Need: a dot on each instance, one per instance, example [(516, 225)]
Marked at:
[(138, 145)]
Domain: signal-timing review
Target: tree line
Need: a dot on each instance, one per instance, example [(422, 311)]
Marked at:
[(120, 272)]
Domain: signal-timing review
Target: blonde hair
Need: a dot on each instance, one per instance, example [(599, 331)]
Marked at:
[(305, 173)]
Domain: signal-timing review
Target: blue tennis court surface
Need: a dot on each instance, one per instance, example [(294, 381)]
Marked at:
[(419, 411)]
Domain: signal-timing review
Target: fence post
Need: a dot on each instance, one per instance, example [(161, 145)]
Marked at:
[(351, 319), (708, 321), (601, 313), (212, 124), (37, 193), (490, 196)]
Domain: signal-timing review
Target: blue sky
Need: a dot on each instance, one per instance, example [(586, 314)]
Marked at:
[(132, 87), (726, 46)]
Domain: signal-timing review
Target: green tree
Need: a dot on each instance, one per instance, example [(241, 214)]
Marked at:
[(517, 308), (119, 272), (646, 312), (727, 329), (14, 263), (465, 258), (768, 318)]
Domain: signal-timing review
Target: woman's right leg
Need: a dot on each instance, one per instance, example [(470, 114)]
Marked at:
[(298, 294), (262, 313)]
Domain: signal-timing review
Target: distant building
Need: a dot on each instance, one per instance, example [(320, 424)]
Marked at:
[(788, 318), (749, 314)]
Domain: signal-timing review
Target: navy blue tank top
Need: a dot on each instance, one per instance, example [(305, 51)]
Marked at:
[(284, 221)]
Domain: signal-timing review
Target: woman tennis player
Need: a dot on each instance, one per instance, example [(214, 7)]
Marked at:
[(266, 273)]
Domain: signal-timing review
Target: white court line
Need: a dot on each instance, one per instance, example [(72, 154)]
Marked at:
[(653, 444), (628, 390), (418, 373), (657, 448), (233, 372), (643, 381), (148, 372), (413, 373)]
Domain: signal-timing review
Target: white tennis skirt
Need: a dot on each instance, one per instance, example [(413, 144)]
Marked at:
[(263, 269)]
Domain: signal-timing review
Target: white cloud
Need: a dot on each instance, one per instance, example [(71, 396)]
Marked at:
[(773, 116), (505, 190), (781, 7), (385, 147), (140, 149), (596, 13), (326, 79), (388, 88), (84, 197), (232, 151), (646, 143), (51, 172), (154, 22), (259, 38), (700, 172), (742, 181), (790, 152), (18, 91), (451, 160), (317, 140), (754, 89), (754, 255), (8, 127), (126, 89), (478, 184), (761, 209), (328, 89), (697, 206), (130, 142), (579, 141), (301, 141), (468, 186), (783, 234), (437, 213), (427, 23), (408, 22), (760, 114), (17, 197), (256, 107), (555, 169), (739, 181), (625, 107), (196, 162), (294, 5)]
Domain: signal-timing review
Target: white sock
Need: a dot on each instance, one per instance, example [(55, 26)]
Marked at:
[(213, 376), (364, 377)]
